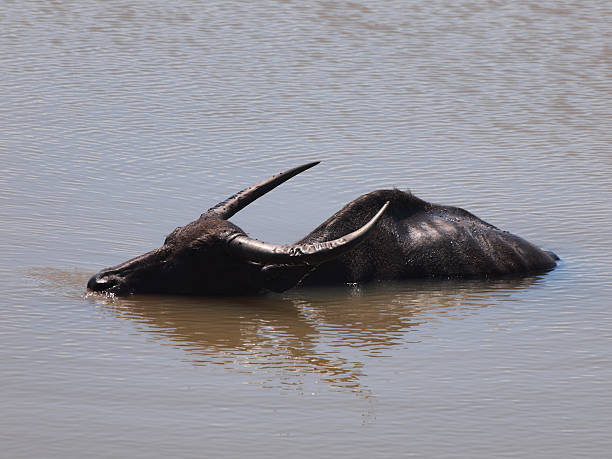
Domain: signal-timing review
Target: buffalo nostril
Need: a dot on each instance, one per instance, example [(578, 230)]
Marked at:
[(99, 282)]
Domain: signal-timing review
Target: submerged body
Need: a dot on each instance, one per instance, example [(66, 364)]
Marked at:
[(382, 235), (417, 239)]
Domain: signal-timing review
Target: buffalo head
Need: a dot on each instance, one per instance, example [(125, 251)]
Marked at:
[(212, 256)]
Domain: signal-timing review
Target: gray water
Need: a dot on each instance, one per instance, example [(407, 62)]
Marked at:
[(121, 120)]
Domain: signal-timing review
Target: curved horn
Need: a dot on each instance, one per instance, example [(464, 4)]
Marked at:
[(245, 197), (309, 254)]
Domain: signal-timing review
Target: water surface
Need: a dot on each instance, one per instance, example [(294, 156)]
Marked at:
[(120, 121)]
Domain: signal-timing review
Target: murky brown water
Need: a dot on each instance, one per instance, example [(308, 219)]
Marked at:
[(121, 121)]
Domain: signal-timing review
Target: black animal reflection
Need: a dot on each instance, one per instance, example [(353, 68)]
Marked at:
[(329, 334), (382, 235)]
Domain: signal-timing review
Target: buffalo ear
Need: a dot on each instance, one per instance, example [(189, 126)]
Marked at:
[(278, 278)]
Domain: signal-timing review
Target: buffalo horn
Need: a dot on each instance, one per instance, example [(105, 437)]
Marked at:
[(245, 197), (309, 254)]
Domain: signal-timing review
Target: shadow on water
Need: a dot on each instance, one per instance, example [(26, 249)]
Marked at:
[(325, 333)]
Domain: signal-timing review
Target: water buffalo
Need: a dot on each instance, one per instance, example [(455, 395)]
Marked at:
[(382, 235)]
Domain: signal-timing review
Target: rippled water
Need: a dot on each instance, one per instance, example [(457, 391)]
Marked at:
[(120, 121)]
